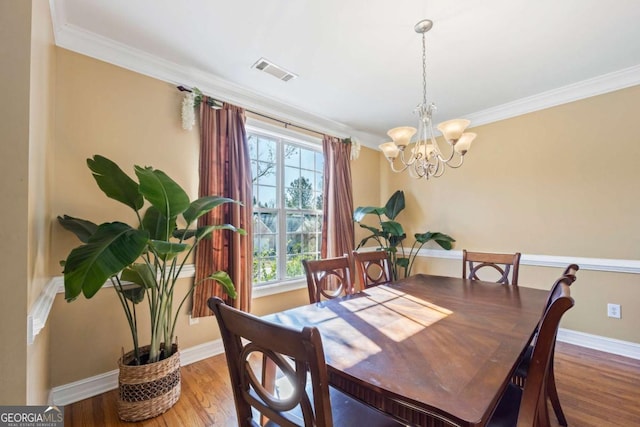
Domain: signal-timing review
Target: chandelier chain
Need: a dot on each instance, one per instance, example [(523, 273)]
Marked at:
[(424, 70)]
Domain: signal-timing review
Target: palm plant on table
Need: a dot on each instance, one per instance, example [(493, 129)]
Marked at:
[(143, 263), (390, 235)]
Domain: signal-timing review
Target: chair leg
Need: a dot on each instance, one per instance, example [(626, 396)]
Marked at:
[(552, 392)]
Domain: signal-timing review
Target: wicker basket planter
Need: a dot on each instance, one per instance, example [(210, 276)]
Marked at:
[(149, 390)]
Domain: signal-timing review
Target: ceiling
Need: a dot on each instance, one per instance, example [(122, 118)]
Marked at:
[(359, 62)]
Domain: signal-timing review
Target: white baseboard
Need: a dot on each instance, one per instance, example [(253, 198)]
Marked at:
[(92, 386), (89, 387), (597, 342)]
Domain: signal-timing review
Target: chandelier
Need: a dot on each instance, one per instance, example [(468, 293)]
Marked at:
[(418, 149)]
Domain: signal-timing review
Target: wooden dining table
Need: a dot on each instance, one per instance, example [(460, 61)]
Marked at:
[(429, 350)]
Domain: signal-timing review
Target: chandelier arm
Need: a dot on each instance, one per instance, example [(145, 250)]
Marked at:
[(393, 167), (456, 166), (412, 158)]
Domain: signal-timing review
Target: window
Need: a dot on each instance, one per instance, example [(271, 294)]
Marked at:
[(287, 204)]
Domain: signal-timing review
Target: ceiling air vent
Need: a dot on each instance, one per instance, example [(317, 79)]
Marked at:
[(273, 69)]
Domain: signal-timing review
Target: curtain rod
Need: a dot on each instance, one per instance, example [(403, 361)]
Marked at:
[(286, 124)]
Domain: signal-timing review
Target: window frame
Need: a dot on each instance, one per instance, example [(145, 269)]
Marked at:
[(254, 126)]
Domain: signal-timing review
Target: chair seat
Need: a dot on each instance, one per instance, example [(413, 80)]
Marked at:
[(348, 411), (506, 414)]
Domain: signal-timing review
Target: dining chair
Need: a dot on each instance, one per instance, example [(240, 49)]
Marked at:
[(527, 407), (303, 396), (502, 263), (373, 268), (520, 375), (328, 278)]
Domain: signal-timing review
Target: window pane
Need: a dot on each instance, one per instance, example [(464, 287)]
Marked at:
[(300, 194), (264, 269), (266, 150), (319, 161), (252, 141), (291, 174), (265, 173), (307, 158), (265, 197), (294, 222), (294, 266), (291, 155)]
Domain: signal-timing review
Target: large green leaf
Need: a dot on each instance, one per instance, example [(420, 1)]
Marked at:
[(394, 228), (402, 262), (111, 248), (394, 205), (223, 278), (204, 205), (361, 211), (115, 183), (168, 249), (158, 226), (82, 228), (163, 192), (373, 230), (444, 240), (140, 274), (134, 293), (394, 241)]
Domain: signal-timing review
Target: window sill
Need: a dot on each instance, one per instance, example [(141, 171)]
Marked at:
[(278, 288)]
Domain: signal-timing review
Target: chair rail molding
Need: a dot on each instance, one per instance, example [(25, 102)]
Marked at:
[(37, 317), (597, 264)]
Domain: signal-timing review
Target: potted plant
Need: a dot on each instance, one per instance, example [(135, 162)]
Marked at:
[(142, 263), (390, 235)]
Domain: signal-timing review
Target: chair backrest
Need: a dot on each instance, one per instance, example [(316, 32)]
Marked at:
[(534, 395), (328, 278), (570, 275), (571, 269), (296, 353), (502, 263), (373, 267)]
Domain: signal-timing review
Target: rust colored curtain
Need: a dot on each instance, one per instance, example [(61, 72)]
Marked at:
[(337, 220), (225, 170)]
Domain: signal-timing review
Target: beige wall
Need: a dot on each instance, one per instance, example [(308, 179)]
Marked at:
[(15, 48), (26, 124), (561, 181)]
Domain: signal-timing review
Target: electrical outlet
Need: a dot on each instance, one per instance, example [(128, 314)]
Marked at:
[(613, 310), (193, 320)]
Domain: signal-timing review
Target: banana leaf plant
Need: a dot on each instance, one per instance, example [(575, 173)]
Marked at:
[(142, 262), (390, 235)]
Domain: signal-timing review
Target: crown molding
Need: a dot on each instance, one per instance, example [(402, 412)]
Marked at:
[(574, 92), (93, 45)]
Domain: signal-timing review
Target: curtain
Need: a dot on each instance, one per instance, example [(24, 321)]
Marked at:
[(225, 170), (337, 208)]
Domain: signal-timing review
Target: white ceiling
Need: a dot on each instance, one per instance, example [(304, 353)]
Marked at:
[(359, 61)]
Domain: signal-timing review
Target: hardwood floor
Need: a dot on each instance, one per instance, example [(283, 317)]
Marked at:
[(596, 390)]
